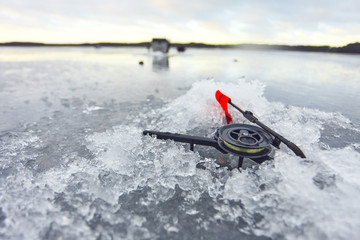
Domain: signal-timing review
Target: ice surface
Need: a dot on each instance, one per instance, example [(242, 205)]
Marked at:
[(119, 183), (81, 168)]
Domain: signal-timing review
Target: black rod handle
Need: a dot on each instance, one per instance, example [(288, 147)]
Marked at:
[(185, 139)]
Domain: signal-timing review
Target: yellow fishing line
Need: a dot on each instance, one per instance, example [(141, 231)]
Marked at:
[(246, 150)]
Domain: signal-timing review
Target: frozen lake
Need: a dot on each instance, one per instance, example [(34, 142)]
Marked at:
[(74, 164)]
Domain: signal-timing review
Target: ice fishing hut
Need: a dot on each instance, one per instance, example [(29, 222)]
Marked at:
[(160, 45)]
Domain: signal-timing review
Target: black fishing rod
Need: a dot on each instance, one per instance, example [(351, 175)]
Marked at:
[(243, 140), (222, 99)]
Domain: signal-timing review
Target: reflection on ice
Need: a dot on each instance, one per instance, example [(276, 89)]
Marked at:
[(160, 63)]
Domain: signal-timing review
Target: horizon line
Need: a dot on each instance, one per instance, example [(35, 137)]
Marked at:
[(173, 43)]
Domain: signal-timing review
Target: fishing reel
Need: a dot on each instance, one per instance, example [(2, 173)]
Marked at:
[(242, 140)]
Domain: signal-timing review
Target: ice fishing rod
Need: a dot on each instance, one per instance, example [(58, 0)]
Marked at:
[(224, 100), (243, 140)]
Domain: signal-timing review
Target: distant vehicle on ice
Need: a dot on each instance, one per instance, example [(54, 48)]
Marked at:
[(181, 48), (160, 45)]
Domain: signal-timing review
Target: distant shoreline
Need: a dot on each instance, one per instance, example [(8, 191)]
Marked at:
[(350, 48)]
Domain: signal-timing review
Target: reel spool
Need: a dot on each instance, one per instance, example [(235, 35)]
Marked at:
[(244, 140)]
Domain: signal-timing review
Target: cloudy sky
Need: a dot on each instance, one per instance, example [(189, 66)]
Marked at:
[(308, 22)]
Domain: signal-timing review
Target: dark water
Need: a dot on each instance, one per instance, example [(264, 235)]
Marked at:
[(74, 164)]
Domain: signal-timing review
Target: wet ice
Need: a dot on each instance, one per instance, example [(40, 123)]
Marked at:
[(86, 171)]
